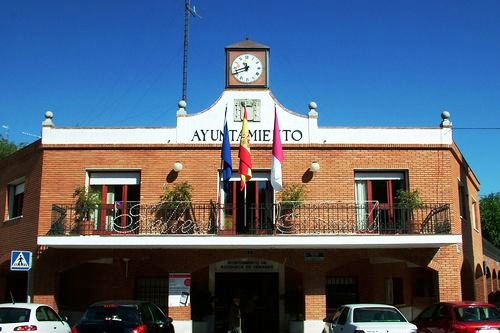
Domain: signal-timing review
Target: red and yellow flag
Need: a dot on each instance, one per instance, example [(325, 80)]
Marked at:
[(245, 168)]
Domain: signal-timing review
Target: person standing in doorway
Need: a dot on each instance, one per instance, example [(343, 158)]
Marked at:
[(234, 316)]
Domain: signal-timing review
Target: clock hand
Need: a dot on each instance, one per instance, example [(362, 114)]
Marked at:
[(243, 69)]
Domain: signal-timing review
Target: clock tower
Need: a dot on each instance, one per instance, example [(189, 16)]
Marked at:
[(247, 65)]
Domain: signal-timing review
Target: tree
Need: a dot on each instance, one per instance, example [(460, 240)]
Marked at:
[(490, 217), (6, 148)]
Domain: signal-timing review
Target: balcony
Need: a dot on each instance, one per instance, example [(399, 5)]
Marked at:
[(284, 218)]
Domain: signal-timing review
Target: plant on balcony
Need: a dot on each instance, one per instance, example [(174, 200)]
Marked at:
[(408, 201), (443, 227), (87, 201), (175, 206), (293, 193), (178, 193), (292, 196)]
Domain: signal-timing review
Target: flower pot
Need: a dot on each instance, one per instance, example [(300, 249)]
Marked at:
[(86, 227)]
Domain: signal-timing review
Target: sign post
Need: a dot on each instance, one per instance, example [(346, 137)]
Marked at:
[(22, 261)]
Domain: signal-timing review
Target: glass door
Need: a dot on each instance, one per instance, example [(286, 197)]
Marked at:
[(120, 195), (375, 199), (249, 211)]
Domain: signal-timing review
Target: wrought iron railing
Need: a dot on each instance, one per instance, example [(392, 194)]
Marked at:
[(187, 218)]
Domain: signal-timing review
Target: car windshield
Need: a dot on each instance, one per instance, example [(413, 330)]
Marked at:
[(14, 315), (375, 315), (477, 313), (112, 312)]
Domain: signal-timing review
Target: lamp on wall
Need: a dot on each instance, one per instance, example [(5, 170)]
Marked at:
[(177, 166), (314, 166)]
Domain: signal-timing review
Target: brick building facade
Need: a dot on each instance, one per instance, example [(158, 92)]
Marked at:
[(350, 240)]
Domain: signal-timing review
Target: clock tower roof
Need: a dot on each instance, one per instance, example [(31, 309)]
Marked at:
[(247, 44)]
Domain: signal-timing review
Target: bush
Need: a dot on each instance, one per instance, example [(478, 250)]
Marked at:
[(180, 192), (294, 192)]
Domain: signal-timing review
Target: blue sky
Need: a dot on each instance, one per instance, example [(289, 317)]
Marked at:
[(365, 63)]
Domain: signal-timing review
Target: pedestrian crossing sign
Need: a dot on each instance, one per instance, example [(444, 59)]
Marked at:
[(20, 260)]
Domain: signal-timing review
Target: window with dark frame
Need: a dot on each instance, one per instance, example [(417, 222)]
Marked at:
[(341, 290), (462, 200), (16, 199), (154, 290), (473, 218), (394, 291)]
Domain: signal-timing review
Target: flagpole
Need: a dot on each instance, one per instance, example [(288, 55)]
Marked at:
[(219, 177), (226, 169)]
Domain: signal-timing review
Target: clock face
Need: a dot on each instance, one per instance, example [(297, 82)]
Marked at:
[(246, 68)]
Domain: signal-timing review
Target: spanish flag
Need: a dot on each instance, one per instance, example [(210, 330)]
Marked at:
[(245, 168)]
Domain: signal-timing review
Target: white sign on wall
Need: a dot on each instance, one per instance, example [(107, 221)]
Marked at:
[(179, 289)]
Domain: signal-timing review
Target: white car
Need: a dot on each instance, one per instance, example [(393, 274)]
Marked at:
[(370, 318), (16, 317)]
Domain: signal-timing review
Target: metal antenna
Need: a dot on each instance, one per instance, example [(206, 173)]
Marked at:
[(187, 11), (31, 134)]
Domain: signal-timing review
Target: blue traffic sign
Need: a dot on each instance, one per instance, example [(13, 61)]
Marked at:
[(20, 260)]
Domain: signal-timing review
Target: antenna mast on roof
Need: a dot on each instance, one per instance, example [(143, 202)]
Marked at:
[(187, 11)]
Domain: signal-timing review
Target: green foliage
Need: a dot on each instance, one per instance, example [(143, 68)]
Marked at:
[(6, 148), (294, 192), (443, 227), (409, 199), (490, 217), (180, 192), (87, 200)]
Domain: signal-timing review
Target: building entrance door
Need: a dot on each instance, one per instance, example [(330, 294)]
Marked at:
[(259, 301)]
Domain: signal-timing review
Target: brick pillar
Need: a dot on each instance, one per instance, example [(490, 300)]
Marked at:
[(447, 264), (489, 287), (480, 289), (314, 293)]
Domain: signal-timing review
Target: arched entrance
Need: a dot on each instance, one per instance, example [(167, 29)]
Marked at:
[(258, 283)]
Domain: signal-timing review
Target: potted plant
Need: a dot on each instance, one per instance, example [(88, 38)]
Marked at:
[(175, 205), (179, 193), (87, 201), (292, 196), (408, 201)]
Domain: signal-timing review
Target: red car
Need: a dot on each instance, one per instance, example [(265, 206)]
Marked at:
[(459, 317)]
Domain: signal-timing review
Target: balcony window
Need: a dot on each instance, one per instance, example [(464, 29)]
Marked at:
[(375, 197), (120, 195), (250, 210), (16, 198)]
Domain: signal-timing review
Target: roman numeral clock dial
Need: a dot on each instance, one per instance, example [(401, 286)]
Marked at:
[(246, 68)]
